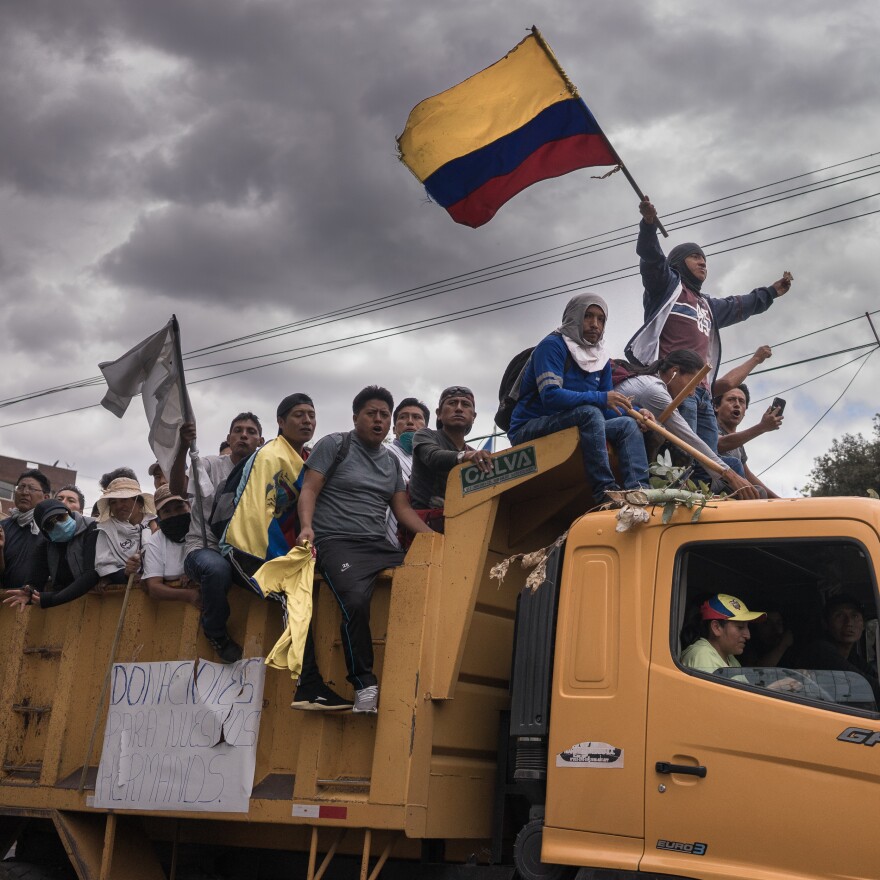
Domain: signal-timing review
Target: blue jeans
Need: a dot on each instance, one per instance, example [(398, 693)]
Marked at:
[(622, 432), (698, 412), (214, 575)]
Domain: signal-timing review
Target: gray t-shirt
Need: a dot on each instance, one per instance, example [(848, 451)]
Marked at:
[(354, 500), (216, 468), (737, 451)]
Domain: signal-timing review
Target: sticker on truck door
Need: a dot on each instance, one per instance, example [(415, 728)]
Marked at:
[(591, 754)]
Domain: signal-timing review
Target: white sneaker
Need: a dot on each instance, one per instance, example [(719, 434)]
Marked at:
[(366, 700)]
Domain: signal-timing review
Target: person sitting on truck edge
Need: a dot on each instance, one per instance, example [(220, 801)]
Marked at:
[(843, 624), (63, 563), (72, 498), (567, 382), (654, 387), (19, 534), (410, 415), (725, 631), (437, 452), (203, 563), (108, 478), (344, 517), (124, 514), (679, 315), (163, 576), (730, 409)]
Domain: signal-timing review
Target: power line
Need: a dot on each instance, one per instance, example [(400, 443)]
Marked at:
[(560, 247), (451, 317), (867, 357), (310, 323), (803, 336), (811, 379), (502, 304), (472, 279), (811, 359)]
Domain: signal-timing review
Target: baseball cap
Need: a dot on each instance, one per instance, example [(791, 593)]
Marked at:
[(725, 607), (163, 496)]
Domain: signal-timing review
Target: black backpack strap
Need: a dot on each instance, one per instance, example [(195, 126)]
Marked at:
[(341, 453)]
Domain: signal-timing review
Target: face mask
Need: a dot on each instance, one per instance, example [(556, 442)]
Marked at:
[(62, 531), (406, 441), (176, 527)]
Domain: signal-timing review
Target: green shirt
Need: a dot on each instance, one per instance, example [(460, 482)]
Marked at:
[(703, 656)]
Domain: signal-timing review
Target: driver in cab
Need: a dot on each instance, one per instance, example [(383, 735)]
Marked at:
[(724, 629)]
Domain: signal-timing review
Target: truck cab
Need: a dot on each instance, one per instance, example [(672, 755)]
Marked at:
[(717, 774)]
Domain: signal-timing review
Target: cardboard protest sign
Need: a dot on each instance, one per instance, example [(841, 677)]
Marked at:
[(181, 735)]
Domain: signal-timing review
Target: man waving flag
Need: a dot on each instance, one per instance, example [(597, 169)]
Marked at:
[(519, 121)]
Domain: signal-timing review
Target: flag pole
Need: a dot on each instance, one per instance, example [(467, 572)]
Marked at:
[(572, 88), (107, 677), (188, 417)]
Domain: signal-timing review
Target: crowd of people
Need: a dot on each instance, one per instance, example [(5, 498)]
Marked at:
[(359, 500)]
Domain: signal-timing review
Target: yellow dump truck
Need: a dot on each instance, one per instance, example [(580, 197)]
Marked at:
[(537, 732)]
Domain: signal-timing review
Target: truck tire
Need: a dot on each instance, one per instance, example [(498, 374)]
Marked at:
[(527, 855), (12, 870)]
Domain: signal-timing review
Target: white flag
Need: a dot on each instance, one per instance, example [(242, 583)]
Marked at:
[(151, 369)]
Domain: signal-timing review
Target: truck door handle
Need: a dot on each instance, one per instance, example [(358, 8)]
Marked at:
[(685, 769)]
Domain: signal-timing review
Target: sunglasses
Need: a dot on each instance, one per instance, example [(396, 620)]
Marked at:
[(456, 391)]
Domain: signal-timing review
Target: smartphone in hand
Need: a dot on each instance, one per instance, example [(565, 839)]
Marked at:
[(778, 404)]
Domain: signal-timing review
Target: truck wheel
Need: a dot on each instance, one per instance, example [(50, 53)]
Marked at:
[(527, 855), (12, 870)]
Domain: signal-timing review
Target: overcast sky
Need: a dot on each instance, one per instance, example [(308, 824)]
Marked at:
[(235, 163)]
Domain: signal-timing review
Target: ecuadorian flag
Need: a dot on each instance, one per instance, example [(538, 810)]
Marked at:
[(259, 542), (519, 121)]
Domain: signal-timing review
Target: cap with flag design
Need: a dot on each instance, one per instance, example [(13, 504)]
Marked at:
[(725, 607)]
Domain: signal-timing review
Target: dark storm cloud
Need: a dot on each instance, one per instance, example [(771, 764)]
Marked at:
[(34, 333), (233, 156), (69, 144), (66, 134), (201, 253)]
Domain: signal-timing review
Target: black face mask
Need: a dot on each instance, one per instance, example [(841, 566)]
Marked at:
[(175, 527)]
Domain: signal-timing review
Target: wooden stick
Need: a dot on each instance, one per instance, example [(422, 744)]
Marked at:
[(109, 844), (694, 453), (188, 417), (685, 392), (105, 688)]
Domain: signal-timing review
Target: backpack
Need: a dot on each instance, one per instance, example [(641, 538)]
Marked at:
[(511, 386), (224, 498), (509, 389)]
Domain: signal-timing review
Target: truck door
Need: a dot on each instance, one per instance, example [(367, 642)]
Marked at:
[(744, 780)]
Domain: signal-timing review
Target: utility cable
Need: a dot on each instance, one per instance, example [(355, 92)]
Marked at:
[(508, 302), (809, 381), (860, 317), (579, 241), (816, 423), (470, 280), (348, 312), (811, 359)]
